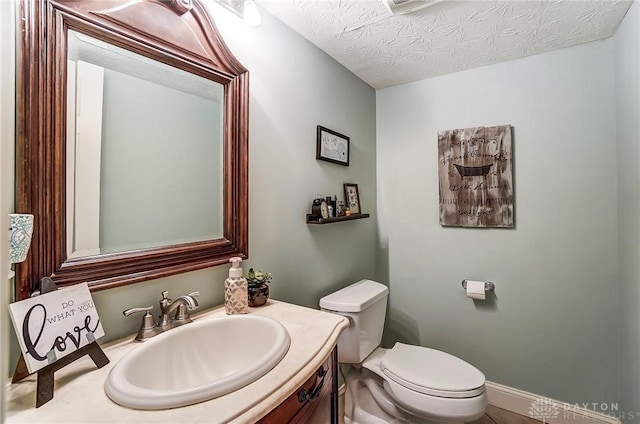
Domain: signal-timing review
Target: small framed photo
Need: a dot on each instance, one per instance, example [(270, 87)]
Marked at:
[(332, 146), (352, 197), (340, 208)]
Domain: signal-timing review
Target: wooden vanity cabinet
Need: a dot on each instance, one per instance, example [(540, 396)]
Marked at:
[(315, 402)]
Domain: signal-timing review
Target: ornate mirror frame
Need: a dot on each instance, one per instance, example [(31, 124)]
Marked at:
[(193, 44)]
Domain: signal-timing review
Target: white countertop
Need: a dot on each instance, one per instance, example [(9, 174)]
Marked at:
[(79, 394)]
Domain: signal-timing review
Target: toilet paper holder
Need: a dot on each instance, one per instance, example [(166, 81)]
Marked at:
[(488, 285)]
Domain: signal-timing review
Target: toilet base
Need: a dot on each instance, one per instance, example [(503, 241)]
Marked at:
[(367, 403)]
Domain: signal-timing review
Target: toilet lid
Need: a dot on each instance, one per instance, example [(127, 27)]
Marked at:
[(432, 372)]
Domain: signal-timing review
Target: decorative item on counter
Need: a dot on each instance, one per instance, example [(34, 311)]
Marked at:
[(340, 208), (235, 290), (20, 231), (347, 212), (55, 324), (54, 329), (257, 285)]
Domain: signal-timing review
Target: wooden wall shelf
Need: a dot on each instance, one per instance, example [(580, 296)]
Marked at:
[(311, 220)]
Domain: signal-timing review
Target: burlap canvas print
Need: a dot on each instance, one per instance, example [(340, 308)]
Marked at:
[(476, 177)]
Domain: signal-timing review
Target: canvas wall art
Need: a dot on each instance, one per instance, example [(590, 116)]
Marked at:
[(476, 177)]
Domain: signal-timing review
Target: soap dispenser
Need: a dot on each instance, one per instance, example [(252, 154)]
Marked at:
[(236, 296)]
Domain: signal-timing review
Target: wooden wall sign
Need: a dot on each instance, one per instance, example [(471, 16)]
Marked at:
[(476, 177), (54, 325)]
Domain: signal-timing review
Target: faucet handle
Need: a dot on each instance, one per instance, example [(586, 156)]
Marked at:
[(130, 311), (148, 327), (165, 302)]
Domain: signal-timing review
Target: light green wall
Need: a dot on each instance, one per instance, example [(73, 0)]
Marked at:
[(293, 87), (168, 153), (627, 73), (551, 327)]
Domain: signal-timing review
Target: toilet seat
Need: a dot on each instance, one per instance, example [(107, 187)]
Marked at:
[(432, 372), (435, 408)]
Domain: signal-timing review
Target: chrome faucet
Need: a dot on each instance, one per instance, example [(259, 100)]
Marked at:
[(181, 307), (168, 320)]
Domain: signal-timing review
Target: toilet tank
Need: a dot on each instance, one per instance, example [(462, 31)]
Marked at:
[(364, 304)]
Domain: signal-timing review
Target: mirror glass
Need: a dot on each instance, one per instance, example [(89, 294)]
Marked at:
[(132, 142), (144, 151)]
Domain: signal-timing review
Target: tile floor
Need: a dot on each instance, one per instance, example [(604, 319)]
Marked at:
[(496, 415)]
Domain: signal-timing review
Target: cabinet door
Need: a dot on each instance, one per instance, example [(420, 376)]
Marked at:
[(315, 402)]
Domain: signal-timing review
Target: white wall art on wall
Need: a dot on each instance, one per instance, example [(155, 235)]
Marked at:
[(332, 146)]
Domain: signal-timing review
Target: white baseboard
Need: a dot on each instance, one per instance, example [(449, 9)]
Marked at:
[(543, 409)]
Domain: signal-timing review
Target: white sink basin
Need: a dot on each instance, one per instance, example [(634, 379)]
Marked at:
[(197, 362)]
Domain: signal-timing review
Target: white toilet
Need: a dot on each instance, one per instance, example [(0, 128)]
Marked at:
[(404, 384)]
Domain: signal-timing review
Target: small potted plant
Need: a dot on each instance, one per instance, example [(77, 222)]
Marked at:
[(257, 286)]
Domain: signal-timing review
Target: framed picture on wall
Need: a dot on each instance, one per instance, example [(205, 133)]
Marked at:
[(332, 146), (475, 175), (352, 197)]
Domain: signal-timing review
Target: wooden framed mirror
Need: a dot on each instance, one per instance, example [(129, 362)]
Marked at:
[(87, 227)]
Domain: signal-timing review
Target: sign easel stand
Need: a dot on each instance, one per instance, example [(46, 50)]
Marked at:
[(44, 391)]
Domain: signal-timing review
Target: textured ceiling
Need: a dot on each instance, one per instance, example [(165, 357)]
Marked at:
[(385, 50)]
